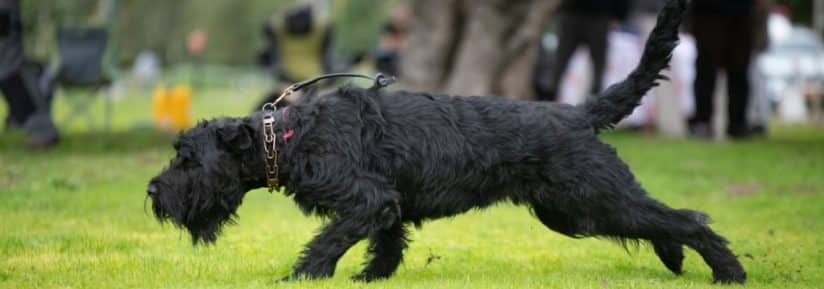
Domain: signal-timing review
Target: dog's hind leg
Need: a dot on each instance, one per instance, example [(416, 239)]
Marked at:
[(645, 218), (556, 220), (640, 217), (386, 250), (670, 252)]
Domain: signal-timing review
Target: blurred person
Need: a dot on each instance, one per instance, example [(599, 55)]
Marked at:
[(542, 73), (584, 22), (196, 43), (298, 46), (723, 33), (28, 108), (21, 106), (759, 108), (387, 55)]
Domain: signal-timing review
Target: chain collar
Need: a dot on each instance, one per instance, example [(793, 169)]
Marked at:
[(270, 148)]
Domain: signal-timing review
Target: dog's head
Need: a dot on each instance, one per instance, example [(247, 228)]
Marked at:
[(216, 163)]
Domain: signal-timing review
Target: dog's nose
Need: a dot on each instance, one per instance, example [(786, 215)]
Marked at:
[(152, 189)]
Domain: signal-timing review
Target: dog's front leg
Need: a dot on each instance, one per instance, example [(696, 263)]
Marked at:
[(320, 256)]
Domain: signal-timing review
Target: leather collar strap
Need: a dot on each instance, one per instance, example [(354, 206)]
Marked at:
[(270, 136)]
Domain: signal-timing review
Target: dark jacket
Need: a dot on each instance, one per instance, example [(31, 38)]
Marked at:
[(733, 7), (11, 38), (616, 9), (648, 6)]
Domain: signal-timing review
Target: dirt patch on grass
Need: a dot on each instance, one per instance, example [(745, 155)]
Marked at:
[(744, 189), (806, 190)]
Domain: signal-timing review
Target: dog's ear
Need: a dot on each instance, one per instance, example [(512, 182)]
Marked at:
[(235, 136)]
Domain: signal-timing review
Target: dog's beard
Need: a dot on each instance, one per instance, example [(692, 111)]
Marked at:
[(207, 228), (203, 220)]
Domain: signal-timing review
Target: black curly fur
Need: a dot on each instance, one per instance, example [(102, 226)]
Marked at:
[(374, 161)]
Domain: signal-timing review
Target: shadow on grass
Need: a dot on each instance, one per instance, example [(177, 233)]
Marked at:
[(93, 142)]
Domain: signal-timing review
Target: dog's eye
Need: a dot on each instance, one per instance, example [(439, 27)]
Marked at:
[(184, 152), (191, 164), (187, 163)]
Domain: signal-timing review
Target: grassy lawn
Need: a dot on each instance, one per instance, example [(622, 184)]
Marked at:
[(77, 217)]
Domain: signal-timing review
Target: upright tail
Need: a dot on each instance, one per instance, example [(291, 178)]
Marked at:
[(618, 101)]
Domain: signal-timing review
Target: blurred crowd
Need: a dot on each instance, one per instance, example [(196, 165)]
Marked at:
[(765, 65), (593, 43)]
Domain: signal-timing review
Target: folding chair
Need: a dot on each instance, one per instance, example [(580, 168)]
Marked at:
[(80, 66)]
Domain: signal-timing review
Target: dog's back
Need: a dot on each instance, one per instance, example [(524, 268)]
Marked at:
[(468, 152)]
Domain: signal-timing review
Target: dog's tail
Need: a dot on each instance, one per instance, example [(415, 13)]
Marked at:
[(618, 101)]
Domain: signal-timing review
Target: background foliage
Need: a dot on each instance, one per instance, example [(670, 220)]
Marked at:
[(233, 27)]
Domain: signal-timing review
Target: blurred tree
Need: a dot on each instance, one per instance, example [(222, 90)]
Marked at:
[(358, 24), (476, 47), (42, 18), (148, 24), (233, 27)]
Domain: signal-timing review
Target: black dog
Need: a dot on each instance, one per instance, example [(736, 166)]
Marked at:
[(373, 161)]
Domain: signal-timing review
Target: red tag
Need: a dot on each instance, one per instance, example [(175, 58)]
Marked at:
[(288, 134)]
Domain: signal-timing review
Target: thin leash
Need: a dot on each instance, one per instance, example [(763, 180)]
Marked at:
[(270, 137)]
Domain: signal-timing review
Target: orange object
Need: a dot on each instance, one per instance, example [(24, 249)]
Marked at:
[(171, 107)]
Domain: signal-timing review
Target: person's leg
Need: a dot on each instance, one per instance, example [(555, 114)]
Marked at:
[(758, 112), (20, 103), (29, 111), (705, 75), (708, 44), (567, 43), (597, 42), (738, 55)]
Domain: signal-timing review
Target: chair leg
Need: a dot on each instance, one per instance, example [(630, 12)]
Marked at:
[(80, 107), (107, 110)]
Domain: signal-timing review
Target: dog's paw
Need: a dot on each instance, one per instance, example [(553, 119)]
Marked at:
[(294, 278), (366, 277), (736, 277), (286, 279)]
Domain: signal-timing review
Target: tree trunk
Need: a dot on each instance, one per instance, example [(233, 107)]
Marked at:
[(478, 47), (523, 50), (429, 40), (479, 50)]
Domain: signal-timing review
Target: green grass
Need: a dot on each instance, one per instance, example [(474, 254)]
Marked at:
[(76, 217)]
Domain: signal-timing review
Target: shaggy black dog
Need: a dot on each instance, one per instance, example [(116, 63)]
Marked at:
[(373, 162)]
